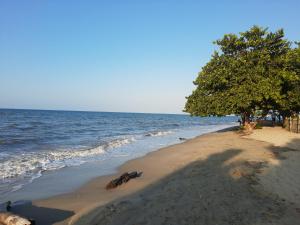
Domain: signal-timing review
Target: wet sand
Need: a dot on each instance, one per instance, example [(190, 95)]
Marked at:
[(218, 178)]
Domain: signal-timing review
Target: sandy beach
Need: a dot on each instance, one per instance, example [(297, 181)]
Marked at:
[(217, 178), (150, 112)]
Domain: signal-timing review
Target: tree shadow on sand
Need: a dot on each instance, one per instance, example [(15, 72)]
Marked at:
[(42, 215), (218, 190)]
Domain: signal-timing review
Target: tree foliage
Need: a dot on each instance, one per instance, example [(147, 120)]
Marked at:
[(255, 70)]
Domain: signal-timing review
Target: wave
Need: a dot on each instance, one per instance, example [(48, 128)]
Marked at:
[(32, 164), (118, 143), (158, 133)]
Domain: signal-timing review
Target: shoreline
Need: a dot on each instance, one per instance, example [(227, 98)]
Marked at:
[(29, 207), (106, 164), (89, 200)]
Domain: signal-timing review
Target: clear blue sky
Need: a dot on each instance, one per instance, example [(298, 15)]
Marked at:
[(133, 56)]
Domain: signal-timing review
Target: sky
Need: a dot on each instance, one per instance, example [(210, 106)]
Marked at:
[(124, 56)]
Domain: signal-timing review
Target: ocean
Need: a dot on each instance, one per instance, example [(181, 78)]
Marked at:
[(72, 147)]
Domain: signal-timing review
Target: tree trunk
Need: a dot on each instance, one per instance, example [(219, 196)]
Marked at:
[(247, 124), (245, 118)]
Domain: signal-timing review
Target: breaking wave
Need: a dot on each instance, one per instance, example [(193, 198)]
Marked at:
[(33, 164), (158, 133)]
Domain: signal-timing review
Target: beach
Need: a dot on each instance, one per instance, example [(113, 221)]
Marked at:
[(45, 153), (223, 177), (149, 113)]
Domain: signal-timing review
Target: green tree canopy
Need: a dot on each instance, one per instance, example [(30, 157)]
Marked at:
[(251, 71), (290, 103)]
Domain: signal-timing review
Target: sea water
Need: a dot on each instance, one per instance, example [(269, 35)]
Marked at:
[(43, 152)]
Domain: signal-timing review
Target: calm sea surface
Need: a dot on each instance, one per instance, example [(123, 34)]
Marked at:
[(37, 142)]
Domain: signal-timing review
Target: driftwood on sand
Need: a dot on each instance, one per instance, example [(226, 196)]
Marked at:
[(124, 178)]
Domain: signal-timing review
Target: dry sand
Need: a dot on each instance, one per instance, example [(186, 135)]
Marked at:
[(218, 178)]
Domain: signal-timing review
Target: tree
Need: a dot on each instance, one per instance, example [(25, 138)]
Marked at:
[(248, 73), (290, 103)]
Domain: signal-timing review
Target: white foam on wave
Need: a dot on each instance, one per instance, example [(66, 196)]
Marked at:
[(17, 187), (119, 142), (158, 133), (32, 164)]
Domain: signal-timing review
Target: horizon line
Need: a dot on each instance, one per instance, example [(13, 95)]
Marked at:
[(92, 111)]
